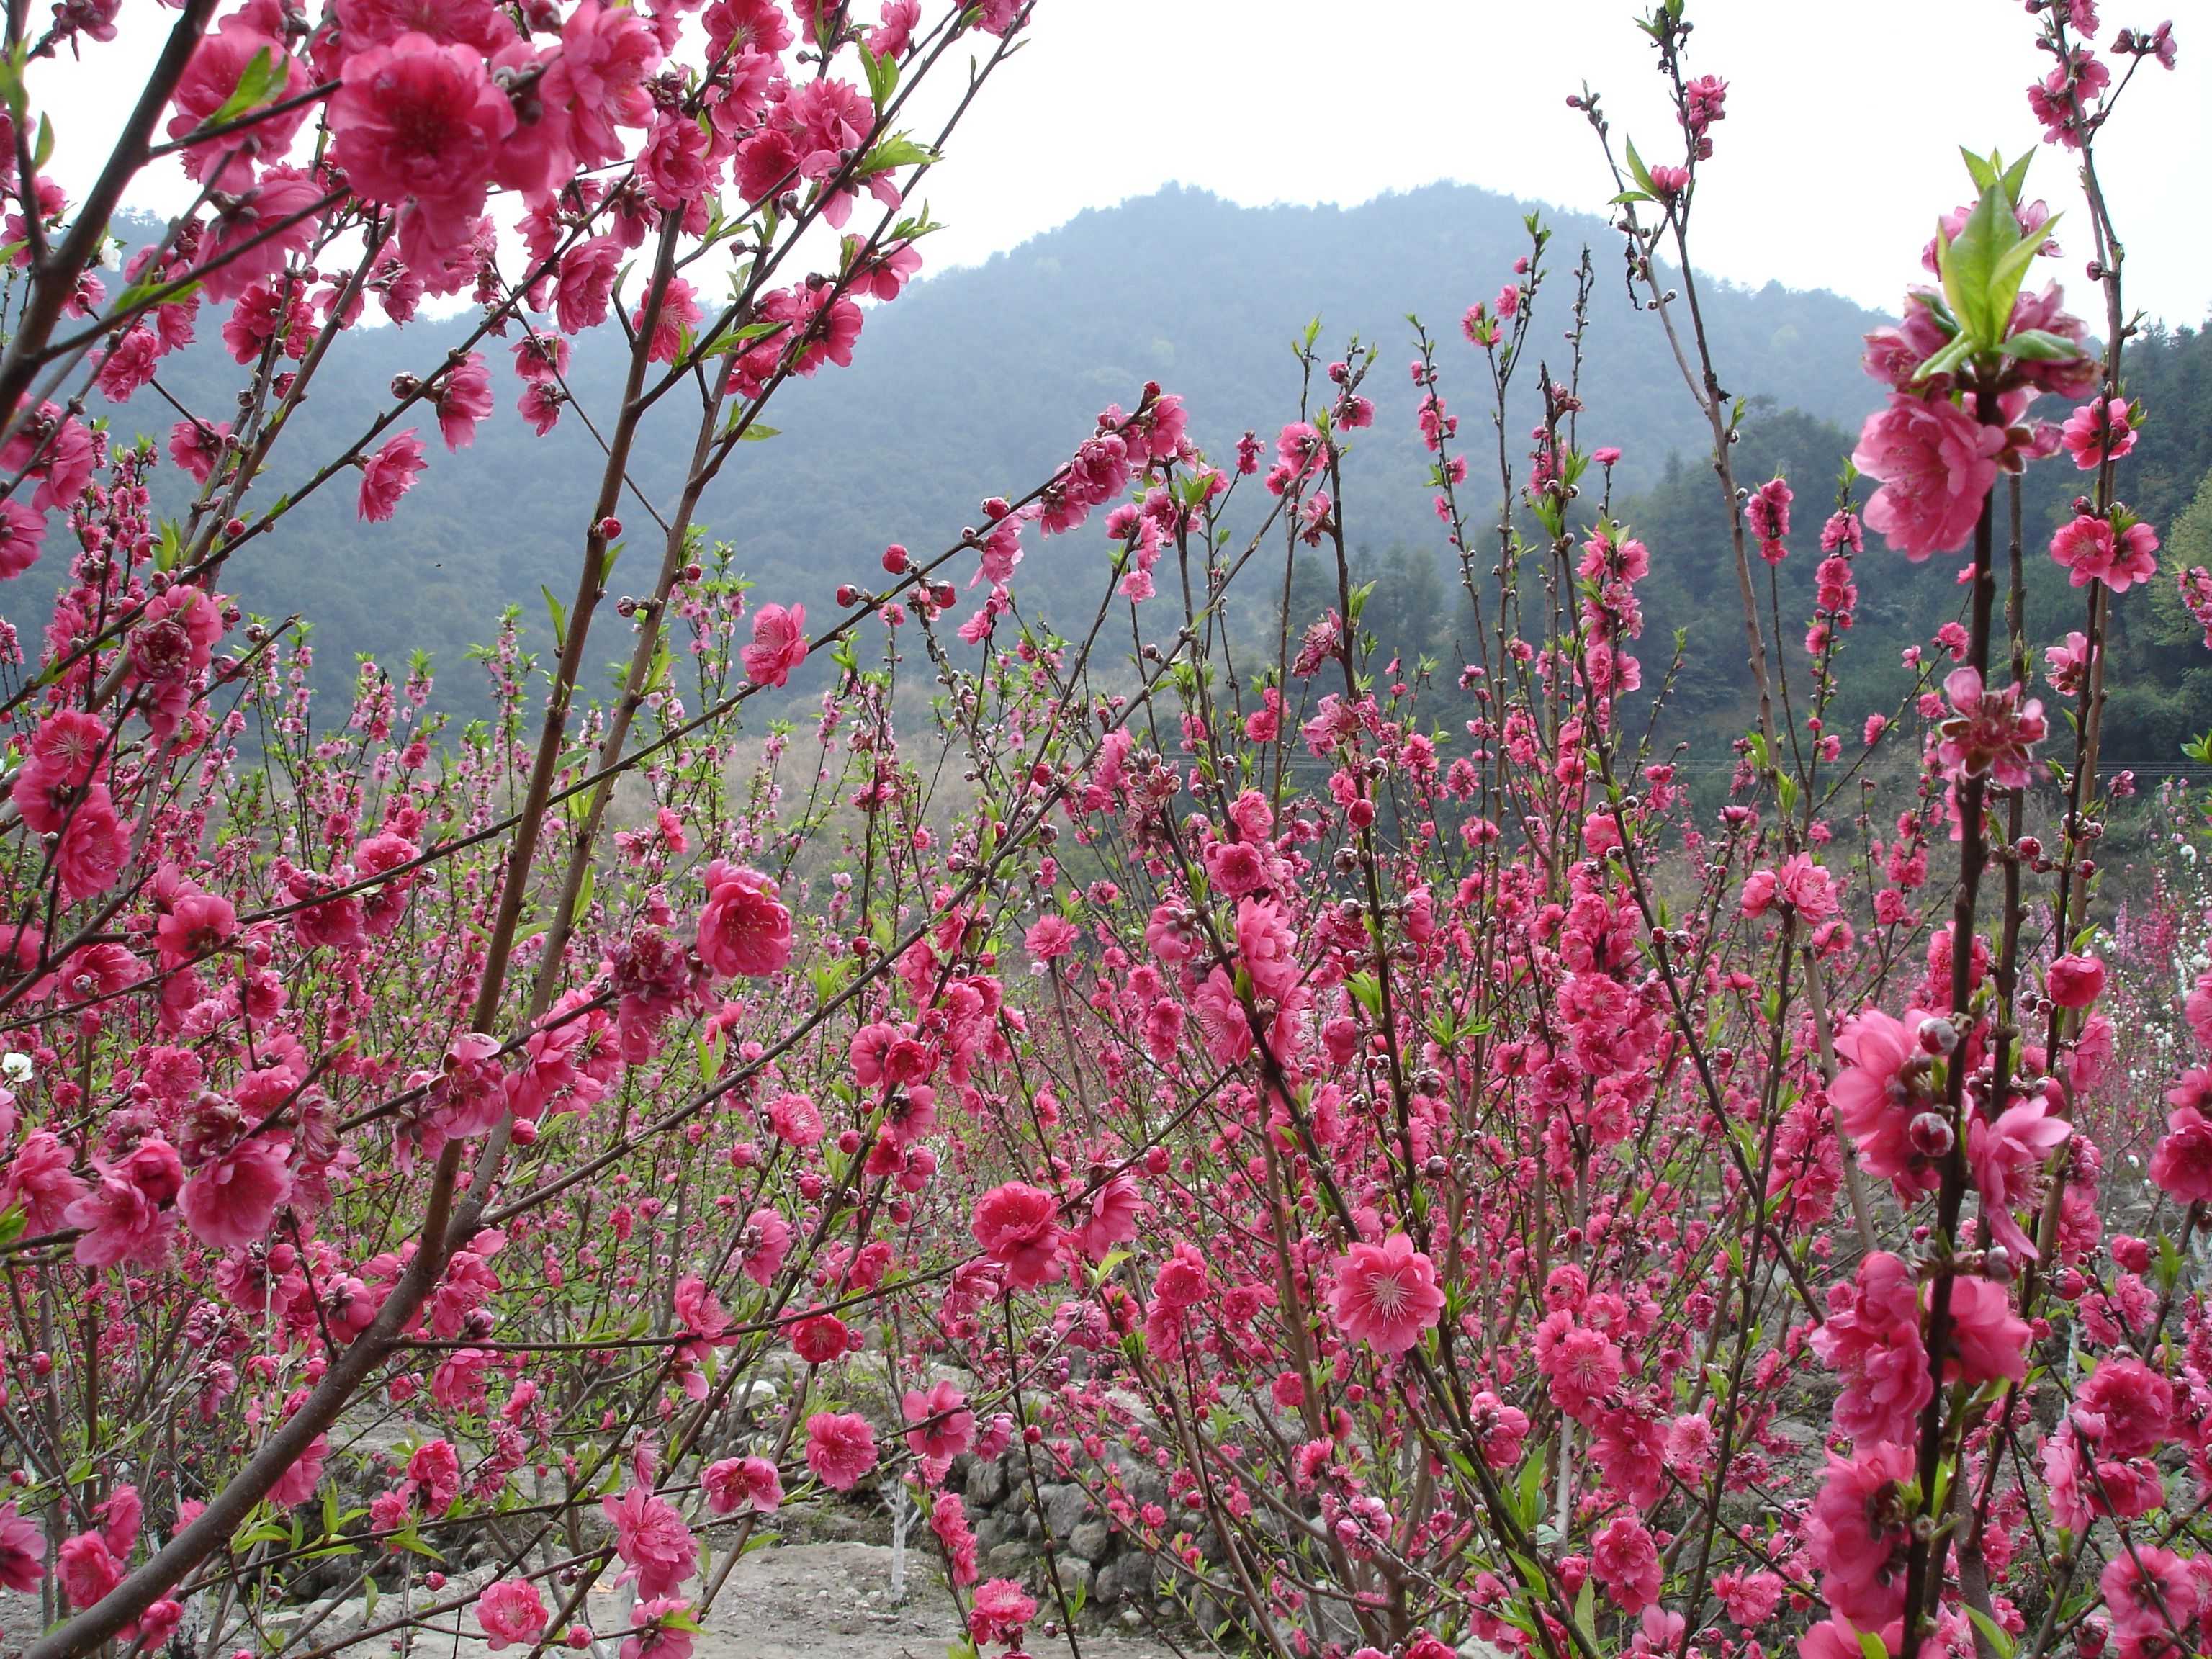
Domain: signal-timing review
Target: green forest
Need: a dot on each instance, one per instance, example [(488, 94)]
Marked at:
[(981, 380)]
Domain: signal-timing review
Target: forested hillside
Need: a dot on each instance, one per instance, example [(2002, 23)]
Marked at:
[(977, 381), (2160, 685), (980, 380)]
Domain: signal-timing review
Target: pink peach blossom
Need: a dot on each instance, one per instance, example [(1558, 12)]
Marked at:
[(1385, 1295), (651, 1537), (231, 1201), (389, 474), (744, 930), (510, 1610), (779, 644), (749, 1482), (1000, 1612), (1018, 1227), (415, 119), (2006, 1158), (841, 1448), (1936, 463)]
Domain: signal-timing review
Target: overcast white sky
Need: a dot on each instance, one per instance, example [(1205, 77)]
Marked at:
[(1839, 151)]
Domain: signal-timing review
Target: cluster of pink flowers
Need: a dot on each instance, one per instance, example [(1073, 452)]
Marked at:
[(2095, 549)]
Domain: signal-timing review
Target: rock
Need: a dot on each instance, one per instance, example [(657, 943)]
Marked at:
[(986, 1484), (1008, 1561), (993, 1530), (1475, 1647), (1089, 1541), (1075, 1577), (1129, 1576), (758, 1394), (1064, 1507)]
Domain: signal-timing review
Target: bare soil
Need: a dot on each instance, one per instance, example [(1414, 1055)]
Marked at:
[(786, 1601)]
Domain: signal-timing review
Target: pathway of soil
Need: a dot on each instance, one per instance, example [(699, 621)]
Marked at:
[(788, 1602)]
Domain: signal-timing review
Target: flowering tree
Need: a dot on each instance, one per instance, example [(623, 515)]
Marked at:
[(1373, 1129), (370, 934)]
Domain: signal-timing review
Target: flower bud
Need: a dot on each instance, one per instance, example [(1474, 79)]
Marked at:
[(894, 558), (1931, 1134), (1938, 1035)]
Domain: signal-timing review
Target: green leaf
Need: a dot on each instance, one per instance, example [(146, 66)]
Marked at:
[(2041, 346), (44, 150), (2011, 269), (12, 1220), (896, 151), (882, 74), (583, 904), (263, 78), (734, 341), (559, 618), (2167, 1270), (1965, 262), (1637, 171), (12, 90), (1369, 990), (1949, 358), (1872, 1646), (1533, 1574), (754, 434), (1531, 1493), (1999, 1638)]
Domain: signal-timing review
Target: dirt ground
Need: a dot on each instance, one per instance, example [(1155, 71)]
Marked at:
[(796, 1601), (789, 1602)]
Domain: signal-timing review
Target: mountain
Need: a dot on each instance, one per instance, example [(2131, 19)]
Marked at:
[(979, 381), (982, 379)]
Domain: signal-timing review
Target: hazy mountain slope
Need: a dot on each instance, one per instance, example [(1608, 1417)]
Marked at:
[(980, 380)]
